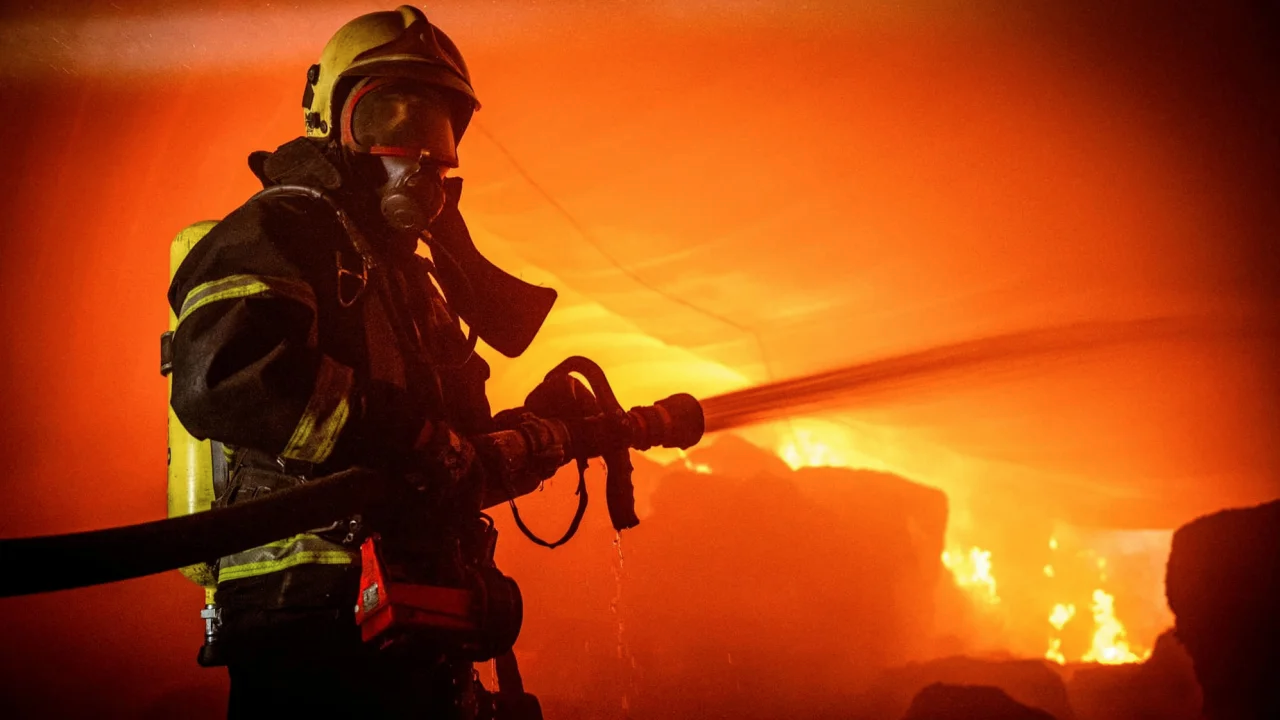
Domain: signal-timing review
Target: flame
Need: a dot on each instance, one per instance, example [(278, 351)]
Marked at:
[(816, 443), (1110, 646), (700, 468), (973, 572), (1062, 613), (1054, 652), (813, 445), (803, 450)]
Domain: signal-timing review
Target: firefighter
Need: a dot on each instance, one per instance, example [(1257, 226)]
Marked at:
[(315, 334)]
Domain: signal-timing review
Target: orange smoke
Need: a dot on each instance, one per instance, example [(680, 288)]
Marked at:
[(725, 194), (973, 570)]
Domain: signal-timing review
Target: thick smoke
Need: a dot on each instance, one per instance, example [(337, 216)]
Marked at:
[(841, 184)]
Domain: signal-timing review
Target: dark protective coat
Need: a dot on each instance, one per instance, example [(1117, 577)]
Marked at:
[(283, 351)]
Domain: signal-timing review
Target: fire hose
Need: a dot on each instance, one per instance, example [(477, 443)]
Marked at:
[(121, 553), (679, 421)]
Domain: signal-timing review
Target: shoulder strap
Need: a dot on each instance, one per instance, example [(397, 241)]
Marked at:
[(367, 258)]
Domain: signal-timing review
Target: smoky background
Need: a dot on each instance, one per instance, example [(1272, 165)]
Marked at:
[(725, 194)]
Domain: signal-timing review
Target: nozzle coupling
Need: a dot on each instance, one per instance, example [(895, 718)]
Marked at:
[(516, 455), (674, 422)]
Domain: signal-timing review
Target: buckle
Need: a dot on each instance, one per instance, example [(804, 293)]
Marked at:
[(298, 468), (361, 280)]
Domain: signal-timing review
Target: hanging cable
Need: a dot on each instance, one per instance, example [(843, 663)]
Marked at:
[(591, 240)]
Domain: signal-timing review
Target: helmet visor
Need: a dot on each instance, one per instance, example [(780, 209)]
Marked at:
[(401, 118)]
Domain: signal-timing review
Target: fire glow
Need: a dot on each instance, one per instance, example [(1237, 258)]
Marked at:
[(1058, 619), (871, 215), (1109, 644), (973, 570)]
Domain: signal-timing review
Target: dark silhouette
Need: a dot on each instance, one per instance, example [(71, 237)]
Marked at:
[(1223, 585), (963, 702), (1162, 688)]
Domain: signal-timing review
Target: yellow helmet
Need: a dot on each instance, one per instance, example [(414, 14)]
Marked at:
[(400, 43)]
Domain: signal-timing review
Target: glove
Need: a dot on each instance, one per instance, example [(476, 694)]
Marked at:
[(441, 460), (562, 397)]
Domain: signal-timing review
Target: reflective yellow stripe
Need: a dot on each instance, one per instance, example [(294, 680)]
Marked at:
[(326, 414), (302, 549), (320, 557), (241, 286)]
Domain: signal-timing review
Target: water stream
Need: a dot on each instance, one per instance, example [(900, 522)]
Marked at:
[(969, 362)]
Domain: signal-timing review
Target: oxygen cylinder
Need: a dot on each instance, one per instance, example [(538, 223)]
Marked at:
[(192, 462)]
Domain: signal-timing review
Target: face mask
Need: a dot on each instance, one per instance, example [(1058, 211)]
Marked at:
[(413, 195), (408, 127)]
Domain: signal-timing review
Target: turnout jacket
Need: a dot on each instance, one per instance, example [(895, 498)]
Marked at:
[(306, 352)]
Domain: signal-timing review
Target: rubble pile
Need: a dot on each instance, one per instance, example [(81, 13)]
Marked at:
[(750, 591), (964, 702), (1030, 684), (1223, 585), (1162, 688)]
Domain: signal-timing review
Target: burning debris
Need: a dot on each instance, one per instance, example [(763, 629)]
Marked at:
[(973, 572), (1162, 687), (1109, 644), (1073, 587), (1057, 619), (864, 547)]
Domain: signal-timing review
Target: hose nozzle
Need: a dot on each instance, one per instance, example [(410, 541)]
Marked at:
[(674, 422)]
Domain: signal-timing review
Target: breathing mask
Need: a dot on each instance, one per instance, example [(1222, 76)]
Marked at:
[(408, 126)]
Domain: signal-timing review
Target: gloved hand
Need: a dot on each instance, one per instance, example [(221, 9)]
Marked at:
[(442, 460), (562, 397)]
